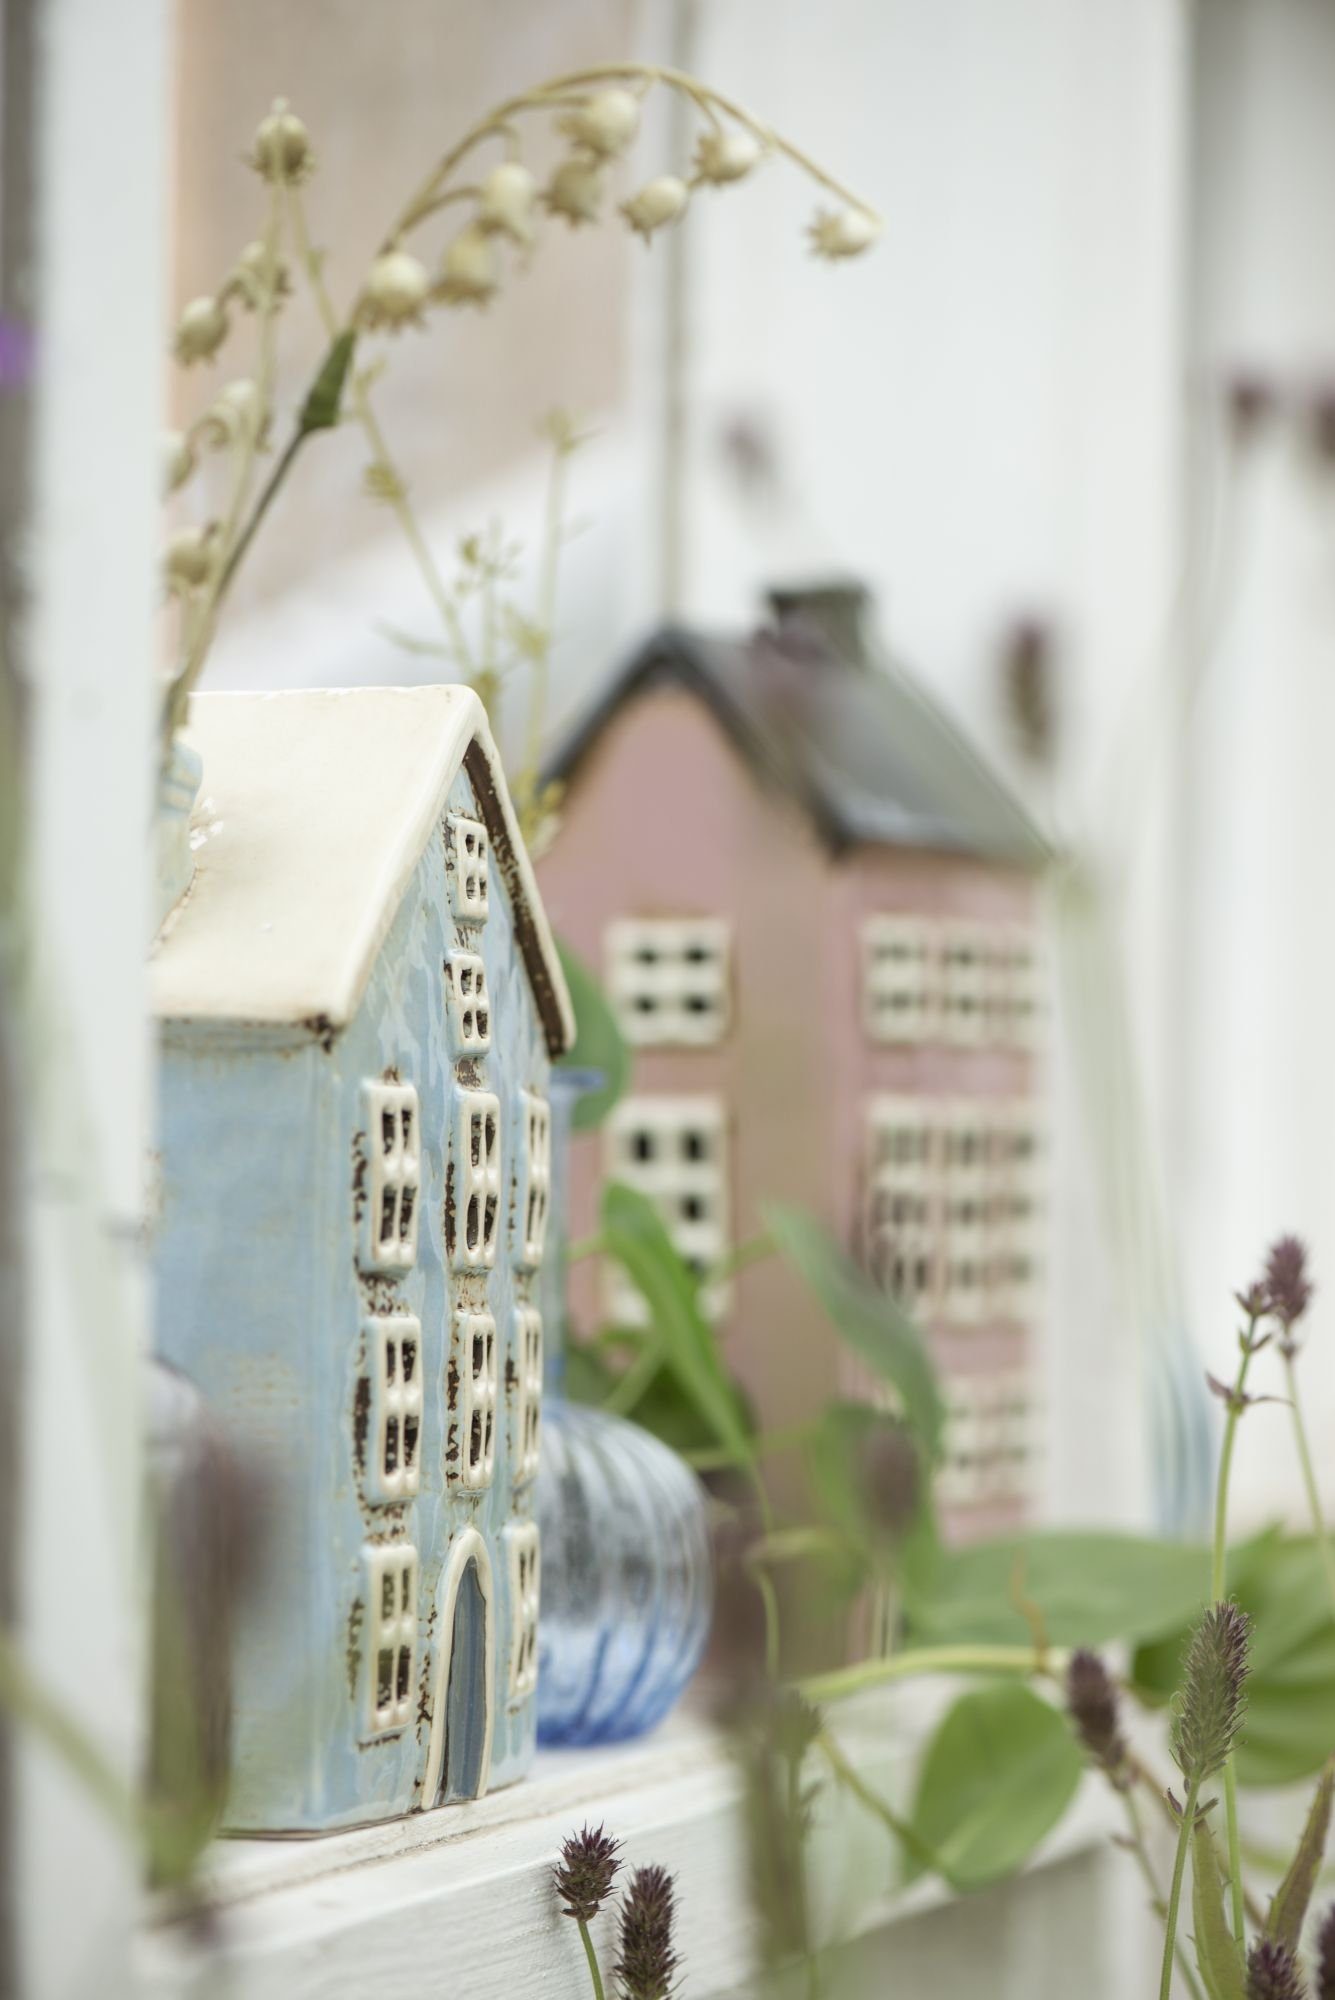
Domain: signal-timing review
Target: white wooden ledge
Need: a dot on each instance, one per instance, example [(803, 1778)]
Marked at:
[(460, 1901)]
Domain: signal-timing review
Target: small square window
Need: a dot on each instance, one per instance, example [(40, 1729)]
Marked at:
[(900, 1202), (522, 1566), (391, 1636), (473, 1203), (390, 1449), (528, 1412), (466, 854), (668, 980), (467, 1005), (534, 1182), (470, 1444), (899, 978), (389, 1177), (672, 1149)]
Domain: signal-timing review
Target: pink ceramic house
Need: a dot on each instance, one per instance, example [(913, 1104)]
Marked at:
[(814, 910)]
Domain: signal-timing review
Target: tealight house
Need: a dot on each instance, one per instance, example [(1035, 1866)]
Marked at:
[(358, 1002)]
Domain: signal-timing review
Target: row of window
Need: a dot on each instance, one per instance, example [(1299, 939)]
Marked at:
[(924, 979), (944, 979), (393, 1618), (392, 1121), (951, 1210), (989, 1443), (674, 1150), (393, 1468)]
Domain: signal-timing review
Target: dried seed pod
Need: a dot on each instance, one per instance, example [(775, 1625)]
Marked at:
[(468, 275), (606, 124), (189, 558), (201, 330), (842, 232), (587, 1869), (396, 289), (178, 460), (658, 203), (506, 201), (576, 190), (1210, 1704), (721, 157), (282, 149)]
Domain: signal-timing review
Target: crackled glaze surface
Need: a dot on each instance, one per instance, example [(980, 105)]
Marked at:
[(383, 1659)]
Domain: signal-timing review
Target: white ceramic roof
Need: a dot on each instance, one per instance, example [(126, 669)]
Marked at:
[(313, 812)]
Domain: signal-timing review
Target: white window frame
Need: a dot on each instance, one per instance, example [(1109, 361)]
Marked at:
[(467, 1004), (1022, 979), (474, 1374), (988, 1455), (523, 1568), (964, 1146), (391, 1627), (534, 1188), (900, 1224), (966, 1013), (669, 979), (469, 868), (674, 1179), (528, 1406), (899, 978), (390, 1112), (477, 1180), (1016, 1206), (396, 1406)]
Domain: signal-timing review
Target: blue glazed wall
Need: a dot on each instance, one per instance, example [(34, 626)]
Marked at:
[(261, 1302)]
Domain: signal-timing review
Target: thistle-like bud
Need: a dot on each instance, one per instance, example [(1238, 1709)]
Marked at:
[(201, 330), (606, 124), (576, 191), (721, 157), (282, 149), (588, 1867), (468, 276), (1209, 1706), (189, 558), (396, 289), (1325, 1957), (178, 460), (648, 1963), (1287, 1286), (1091, 1703), (889, 1479), (1272, 1972), (505, 203), (659, 202), (842, 232)]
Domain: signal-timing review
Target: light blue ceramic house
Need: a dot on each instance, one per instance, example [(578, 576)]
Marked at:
[(358, 1000)]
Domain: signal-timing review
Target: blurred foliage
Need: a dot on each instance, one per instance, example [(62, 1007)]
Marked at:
[(599, 1045), (994, 1781)]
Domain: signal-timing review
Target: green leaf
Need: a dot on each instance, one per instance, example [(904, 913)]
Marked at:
[(997, 1777), (633, 1233), (599, 1044), (1294, 1893), (1091, 1589), (866, 1318), (320, 410), (1218, 1959), (1290, 1721)]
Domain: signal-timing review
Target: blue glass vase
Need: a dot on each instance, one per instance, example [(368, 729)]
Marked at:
[(627, 1582)]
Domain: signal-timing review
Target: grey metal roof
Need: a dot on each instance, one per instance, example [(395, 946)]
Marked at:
[(850, 736)]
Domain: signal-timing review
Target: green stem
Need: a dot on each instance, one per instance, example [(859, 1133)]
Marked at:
[(1136, 1840), (925, 1855), (1309, 1478), (634, 1382), (931, 1660), (1175, 1890), (764, 1582), (1218, 1562), (592, 1957)]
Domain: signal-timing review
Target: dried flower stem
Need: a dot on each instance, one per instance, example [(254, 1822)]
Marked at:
[(397, 488), (1236, 1405), (433, 193), (234, 535), (526, 786), (1319, 1528), (1175, 1889)]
